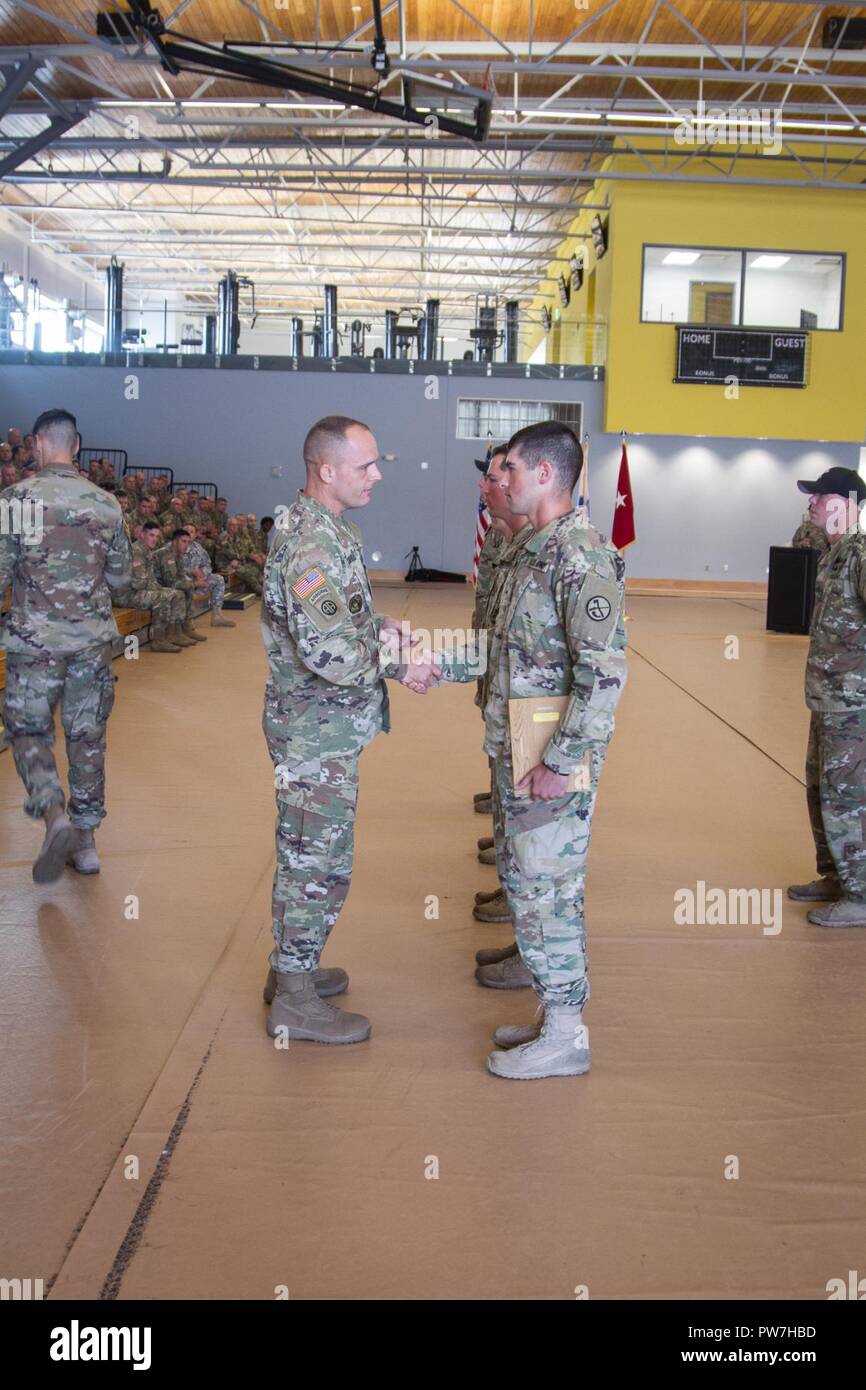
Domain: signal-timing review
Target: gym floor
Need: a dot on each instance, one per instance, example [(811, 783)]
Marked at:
[(156, 1145)]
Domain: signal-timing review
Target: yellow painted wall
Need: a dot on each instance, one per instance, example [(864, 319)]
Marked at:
[(640, 394)]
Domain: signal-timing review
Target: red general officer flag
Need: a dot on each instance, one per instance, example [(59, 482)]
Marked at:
[(623, 532)]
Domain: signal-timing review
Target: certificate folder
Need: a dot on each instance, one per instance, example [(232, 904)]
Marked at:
[(533, 722)]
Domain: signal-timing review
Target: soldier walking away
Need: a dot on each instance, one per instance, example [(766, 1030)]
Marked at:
[(57, 635)]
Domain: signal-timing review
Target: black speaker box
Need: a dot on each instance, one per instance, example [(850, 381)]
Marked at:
[(791, 590)]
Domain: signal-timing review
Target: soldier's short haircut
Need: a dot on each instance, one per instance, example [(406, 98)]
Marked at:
[(554, 442), (120, 492), (150, 526), (329, 434), (59, 426), (181, 531)]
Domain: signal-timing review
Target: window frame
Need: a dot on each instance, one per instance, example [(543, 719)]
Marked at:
[(515, 400), (743, 252)]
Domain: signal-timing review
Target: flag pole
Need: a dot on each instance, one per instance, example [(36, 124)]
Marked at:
[(626, 617)]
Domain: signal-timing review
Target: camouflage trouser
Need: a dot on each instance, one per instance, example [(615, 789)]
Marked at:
[(541, 849), (84, 686), (315, 842), (166, 605), (251, 576), (217, 586), (836, 796), (186, 601)]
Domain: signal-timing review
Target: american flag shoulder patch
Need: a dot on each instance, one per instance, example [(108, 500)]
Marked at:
[(308, 583)]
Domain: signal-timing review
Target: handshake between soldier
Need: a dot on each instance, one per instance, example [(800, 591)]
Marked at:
[(330, 655)]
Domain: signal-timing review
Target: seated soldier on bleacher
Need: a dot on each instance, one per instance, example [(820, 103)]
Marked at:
[(173, 516), (221, 513), (196, 563), (234, 556), (8, 475), (169, 569), (130, 519), (157, 488), (167, 606)]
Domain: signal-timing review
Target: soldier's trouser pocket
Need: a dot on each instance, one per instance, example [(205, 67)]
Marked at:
[(33, 687), (545, 850), (314, 869)]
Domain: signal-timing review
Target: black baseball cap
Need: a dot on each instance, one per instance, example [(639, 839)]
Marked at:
[(482, 464), (837, 482)]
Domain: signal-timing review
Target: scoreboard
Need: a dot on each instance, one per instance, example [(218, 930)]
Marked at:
[(755, 357)]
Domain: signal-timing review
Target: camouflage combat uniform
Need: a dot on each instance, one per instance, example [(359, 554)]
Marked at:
[(167, 606), (491, 548), (506, 556), (236, 547), (836, 695), (325, 699), (197, 558), (57, 635), (559, 631), (170, 571), (811, 537)]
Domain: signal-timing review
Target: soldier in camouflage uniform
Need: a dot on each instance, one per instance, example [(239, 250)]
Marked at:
[(501, 968), (167, 606), (197, 564), (233, 556), (169, 569), (836, 696), (808, 536), (559, 631), (492, 544), (173, 516), (325, 699), (57, 635)]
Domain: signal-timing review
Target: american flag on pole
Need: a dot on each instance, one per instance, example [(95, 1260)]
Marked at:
[(482, 524)]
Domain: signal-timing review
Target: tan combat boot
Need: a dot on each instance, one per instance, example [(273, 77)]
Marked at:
[(60, 837), (845, 913), (298, 1012), (160, 643), (827, 889), (495, 910), (487, 856), (514, 1034), (177, 635), (492, 955), (488, 897), (190, 631), (561, 1049), (83, 856), (509, 973), (327, 982), (217, 619)]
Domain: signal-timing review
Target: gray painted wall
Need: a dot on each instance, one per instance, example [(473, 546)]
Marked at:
[(701, 504)]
